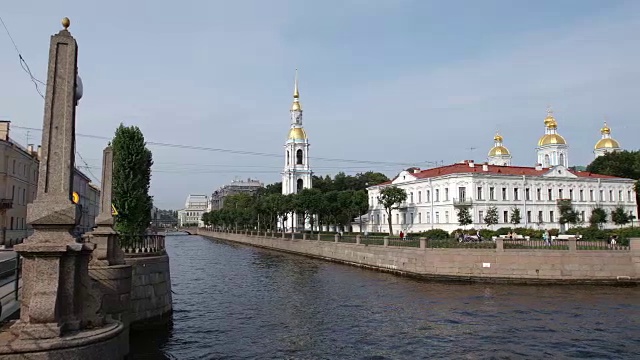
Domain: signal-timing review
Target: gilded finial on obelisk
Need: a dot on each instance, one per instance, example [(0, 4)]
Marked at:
[(66, 22)]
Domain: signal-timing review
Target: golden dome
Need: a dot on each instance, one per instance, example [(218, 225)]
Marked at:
[(66, 23), (550, 122), (607, 143), (605, 129), (497, 138), (297, 133), (296, 106), (550, 139), (498, 150)]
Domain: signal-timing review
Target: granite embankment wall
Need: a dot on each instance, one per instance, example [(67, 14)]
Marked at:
[(497, 265), (151, 301)]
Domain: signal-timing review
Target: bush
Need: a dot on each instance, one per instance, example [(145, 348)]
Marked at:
[(435, 234), (487, 234)]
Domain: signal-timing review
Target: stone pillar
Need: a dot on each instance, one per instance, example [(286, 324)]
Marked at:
[(572, 244), (293, 235), (107, 267), (304, 236), (423, 243), (57, 294), (358, 239), (386, 241), (499, 244), (336, 238), (634, 244), (318, 236)]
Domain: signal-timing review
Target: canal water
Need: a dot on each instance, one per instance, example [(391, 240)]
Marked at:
[(238, 302)]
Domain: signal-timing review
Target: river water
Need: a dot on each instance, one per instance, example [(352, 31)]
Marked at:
[(238, 302)]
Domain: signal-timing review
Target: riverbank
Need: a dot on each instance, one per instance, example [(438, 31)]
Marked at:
[(525, 266)]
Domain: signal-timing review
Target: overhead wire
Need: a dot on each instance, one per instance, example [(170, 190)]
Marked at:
[(25, 66)]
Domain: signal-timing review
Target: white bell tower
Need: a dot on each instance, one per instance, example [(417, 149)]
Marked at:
[(552, 148), (297, 171)]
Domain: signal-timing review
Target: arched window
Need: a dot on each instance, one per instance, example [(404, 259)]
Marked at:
[(299, 184), (546, 160), (288, 162), (561, 159), (299, 157)]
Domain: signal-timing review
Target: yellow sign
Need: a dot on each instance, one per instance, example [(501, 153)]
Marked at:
[(114, 212), (76, 197)]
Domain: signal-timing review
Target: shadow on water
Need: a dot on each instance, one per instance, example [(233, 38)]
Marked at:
[(149, 344)]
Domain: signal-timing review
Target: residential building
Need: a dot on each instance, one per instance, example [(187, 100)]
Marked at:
[(297, 172), (250, 186), (18, 184), (194, 207), (436, 195)]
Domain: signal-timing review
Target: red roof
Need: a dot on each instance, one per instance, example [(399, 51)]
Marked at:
[(464, 168)]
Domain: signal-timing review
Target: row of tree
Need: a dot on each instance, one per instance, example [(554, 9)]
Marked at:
[(331, 202), (568, 215)]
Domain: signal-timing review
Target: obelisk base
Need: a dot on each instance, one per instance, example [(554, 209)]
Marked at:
[(109, 342)]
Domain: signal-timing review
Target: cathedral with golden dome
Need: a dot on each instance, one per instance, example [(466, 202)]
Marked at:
[(552, 149), (297, 172)]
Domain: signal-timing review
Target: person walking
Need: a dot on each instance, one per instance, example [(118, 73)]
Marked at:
[(401, 235), (547, 238)]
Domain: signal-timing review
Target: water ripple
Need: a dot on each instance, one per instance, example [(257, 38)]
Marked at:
[(237, 302)]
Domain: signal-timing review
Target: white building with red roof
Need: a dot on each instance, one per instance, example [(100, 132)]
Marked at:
[(435, 195)]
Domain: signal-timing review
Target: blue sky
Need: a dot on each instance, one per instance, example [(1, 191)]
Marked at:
[(405, 82)]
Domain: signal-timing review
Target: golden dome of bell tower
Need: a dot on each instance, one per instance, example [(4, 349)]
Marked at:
[(552, 147), (606, 144), (499, 154)]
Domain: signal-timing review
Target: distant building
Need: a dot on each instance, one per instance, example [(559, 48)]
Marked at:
[(19, 185), (194, 207), (250, 186)]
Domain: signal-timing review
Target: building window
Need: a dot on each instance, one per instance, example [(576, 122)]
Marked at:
[(446, 194), (581, 195), (560, 194), (601, 195), (516, 194), (11, 225), (538, 194), (411, 218), (582, 216), (504, 193), (428, 196), (13, 192), (24, 196), (479, 193), (404, 218), (288, 160), (540, 218), (571, 194), (527, 194), (419, 196), (411, 197), (14, 166), (299, 157), (611, 196), (397, 219), (620, 198), (419, 218), (551, 216), (492, 193), (629, 196), (550, 194), (428, 218), (505, 216), (437, 196), (591, 197), (528, 216), (480, 216), (446, 217), (437, 217)]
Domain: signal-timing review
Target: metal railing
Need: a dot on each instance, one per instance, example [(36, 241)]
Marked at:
[(142, 244)]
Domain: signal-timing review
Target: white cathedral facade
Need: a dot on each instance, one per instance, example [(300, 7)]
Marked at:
[(435, 195), (297, 174)]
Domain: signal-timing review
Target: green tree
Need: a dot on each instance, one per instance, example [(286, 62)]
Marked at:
[(625, 164), (132, 163), (568, 215), (464, 216), (620, 217), (515, 216), (598, 217), (309, 203), (491, 218), (390, 198)]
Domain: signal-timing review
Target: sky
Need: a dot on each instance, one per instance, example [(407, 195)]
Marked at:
[(384, 84)]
